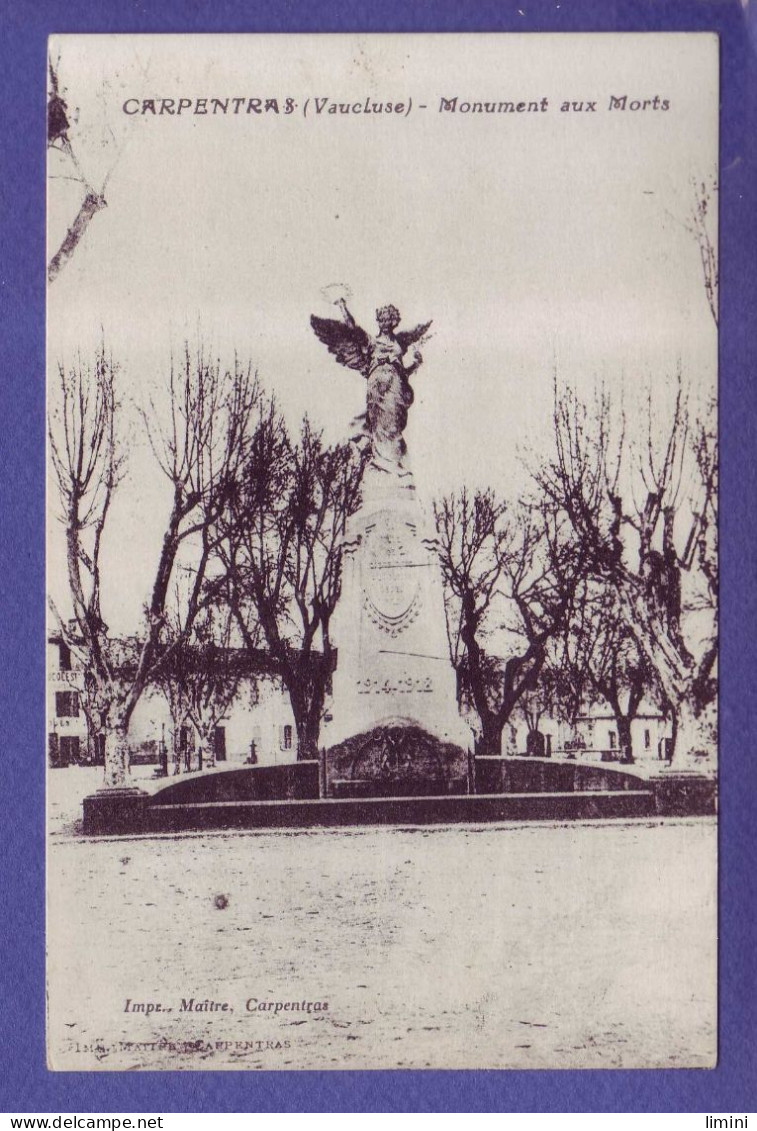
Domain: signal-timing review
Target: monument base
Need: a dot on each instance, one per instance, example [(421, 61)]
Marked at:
[(398, 759)]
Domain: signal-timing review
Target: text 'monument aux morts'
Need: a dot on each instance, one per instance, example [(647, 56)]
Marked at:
[(324, 106)]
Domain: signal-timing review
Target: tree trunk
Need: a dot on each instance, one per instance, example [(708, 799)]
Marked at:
[(673, 729), (91, 205), (176, 749), (307, 721), (306, 695), (690, 736), (205, 748), (116, 753), (673, 669), (536, 744), (624, 738), (490, 742)]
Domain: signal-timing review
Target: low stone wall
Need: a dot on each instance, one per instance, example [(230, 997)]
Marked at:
[(537, 775), (675, 795), (127, 810), (287, 797), (333, 813), (296, 781), (684, 796)]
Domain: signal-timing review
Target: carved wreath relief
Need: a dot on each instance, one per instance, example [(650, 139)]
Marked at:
[(392, 583)]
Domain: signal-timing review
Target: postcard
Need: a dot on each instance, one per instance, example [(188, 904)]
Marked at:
[(382, 561)]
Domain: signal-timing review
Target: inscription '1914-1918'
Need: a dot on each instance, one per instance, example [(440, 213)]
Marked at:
[(374, 685)]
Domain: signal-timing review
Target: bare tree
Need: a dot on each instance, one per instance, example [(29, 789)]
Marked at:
[(59, 127), (88, 466), (550, 697), (281, 557), (702, 226), (202, 677), (471, 532), (200, 452), (643, 514), (600, 660), (171, 676), (511, 573)]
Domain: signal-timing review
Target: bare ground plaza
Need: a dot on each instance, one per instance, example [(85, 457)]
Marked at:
[(453, 946)]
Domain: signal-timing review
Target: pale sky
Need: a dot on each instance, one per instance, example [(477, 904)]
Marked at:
[(535, 241)]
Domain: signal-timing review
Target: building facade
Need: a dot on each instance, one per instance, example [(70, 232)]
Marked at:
[(258, 727), (67, 732), (594, 736)]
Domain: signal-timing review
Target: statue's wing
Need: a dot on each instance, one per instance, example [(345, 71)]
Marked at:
[(407, 338), (350, 345)]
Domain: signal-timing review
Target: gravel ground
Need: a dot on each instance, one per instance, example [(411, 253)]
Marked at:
[(515, 946)]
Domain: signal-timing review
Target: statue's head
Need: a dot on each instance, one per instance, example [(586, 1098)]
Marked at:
[(388, 318)]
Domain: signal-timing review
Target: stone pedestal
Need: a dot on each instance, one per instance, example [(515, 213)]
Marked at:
[(393, 665), (113, 810)]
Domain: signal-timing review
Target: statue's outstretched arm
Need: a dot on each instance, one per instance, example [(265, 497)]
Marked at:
[(408, 338), (417, 363), (345, 312)]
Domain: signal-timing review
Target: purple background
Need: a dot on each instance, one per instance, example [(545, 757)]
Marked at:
[(25, 1084)]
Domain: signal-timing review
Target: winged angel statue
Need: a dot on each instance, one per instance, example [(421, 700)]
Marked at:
[(381, 360)]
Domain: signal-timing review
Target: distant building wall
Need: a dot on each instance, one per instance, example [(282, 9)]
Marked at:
[(650, 735), (258, 723), (598, 733), (263, 717), (67, 737)]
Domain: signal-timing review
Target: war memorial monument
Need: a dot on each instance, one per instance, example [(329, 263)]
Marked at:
[(395, 725)]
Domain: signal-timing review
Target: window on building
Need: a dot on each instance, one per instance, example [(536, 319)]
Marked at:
[(287, 738), (66, 704), (65, 657), (613, 740), (647, 739), (99, 749), (69, 749)]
